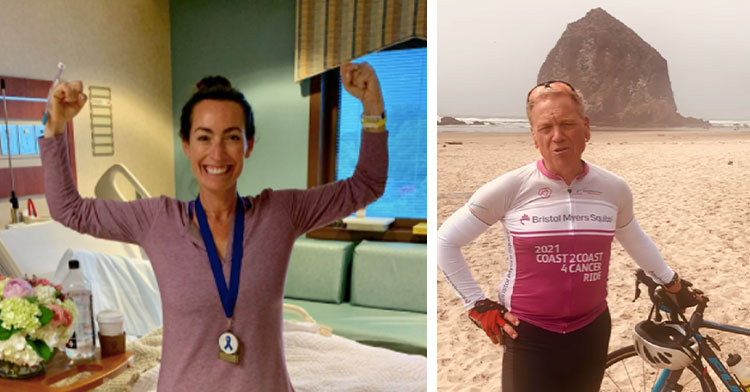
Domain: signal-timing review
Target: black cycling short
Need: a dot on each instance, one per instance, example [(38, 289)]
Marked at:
[(541, 360)]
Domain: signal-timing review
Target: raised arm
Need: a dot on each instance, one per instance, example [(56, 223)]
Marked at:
[(121, 221), (323, 204)]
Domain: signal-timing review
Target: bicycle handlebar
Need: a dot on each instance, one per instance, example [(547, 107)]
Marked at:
[(659, 299), (645, 279), (655, 294), (641, 277)]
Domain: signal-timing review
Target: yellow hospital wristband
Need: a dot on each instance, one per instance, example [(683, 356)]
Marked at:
[(373, 122)]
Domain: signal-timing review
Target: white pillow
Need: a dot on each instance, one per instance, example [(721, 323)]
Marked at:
[(35, 248)]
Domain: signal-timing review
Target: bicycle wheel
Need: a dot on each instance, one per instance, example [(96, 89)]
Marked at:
[(627, 372)]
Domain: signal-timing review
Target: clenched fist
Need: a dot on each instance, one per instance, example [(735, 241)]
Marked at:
[(361, 81), (66, 102)]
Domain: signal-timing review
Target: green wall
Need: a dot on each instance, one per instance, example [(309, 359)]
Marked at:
[(252, 44)]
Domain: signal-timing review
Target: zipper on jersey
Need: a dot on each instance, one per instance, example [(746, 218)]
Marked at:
[(569, 280)]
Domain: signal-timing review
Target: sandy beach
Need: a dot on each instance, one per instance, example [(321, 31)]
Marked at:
[(691, 195)]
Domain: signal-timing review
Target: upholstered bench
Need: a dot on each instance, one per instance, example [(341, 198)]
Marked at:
[(374, 292), (390, 275), (319, 270)]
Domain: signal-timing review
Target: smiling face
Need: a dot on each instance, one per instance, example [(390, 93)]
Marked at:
[(560, 132), (217, 145)]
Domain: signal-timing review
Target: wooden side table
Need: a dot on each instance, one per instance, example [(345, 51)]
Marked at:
[(60, 368)]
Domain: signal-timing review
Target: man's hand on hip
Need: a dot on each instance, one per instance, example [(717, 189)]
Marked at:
[(494, 319)]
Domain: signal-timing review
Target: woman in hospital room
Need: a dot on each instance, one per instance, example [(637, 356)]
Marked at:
[(221, 278)]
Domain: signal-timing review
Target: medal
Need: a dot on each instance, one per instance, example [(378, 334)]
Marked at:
[(229, 345)]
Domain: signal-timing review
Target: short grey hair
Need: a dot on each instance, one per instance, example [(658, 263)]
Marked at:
[(549, 92)]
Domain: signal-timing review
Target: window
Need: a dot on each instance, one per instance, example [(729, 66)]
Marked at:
[(26, 103), (335, 127), (23, 138), (403, 79)]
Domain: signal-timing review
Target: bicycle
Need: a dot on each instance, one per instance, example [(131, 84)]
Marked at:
[(626, 371)]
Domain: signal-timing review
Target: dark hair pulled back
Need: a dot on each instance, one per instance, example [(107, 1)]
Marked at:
[(220, 89)]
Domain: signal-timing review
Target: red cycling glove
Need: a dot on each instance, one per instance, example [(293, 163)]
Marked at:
[(488, 315)]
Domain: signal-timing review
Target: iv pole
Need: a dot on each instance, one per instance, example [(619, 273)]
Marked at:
[(13, 200)]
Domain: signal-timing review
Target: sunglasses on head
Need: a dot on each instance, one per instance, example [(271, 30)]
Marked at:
[(548, 84)]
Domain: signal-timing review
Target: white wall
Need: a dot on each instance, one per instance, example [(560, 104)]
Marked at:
[(123, 45)]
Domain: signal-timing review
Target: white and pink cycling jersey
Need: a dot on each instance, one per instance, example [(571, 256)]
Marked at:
[(558, 239)]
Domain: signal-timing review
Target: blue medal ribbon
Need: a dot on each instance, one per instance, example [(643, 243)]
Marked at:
[(228, 295)]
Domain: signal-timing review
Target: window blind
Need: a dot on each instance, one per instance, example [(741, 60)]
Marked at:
[(333, 31), (403, 80)]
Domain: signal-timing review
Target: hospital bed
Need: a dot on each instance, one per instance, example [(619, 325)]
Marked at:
[(316, 359)]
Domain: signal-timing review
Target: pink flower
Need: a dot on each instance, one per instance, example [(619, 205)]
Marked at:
[(18, 288), (61, 316), (34, 281)]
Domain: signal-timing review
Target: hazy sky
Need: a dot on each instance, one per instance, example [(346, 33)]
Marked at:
[(490, 52)]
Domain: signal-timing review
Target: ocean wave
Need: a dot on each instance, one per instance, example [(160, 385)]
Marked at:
[(511, 124)]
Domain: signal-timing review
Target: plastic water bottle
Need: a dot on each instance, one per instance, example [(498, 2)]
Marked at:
[(83, 344), (740, 370)]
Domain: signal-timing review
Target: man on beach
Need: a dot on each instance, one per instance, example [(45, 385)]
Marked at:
[(560, 215)]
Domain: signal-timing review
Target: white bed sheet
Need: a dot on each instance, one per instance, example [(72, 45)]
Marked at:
[(336, 364)]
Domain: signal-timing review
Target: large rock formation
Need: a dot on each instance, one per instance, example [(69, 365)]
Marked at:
[(624, 81)]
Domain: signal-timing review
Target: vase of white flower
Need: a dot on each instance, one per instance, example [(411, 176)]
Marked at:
[(36, 319)]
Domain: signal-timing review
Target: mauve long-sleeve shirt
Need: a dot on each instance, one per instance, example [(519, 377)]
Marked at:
[(193, 315)]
